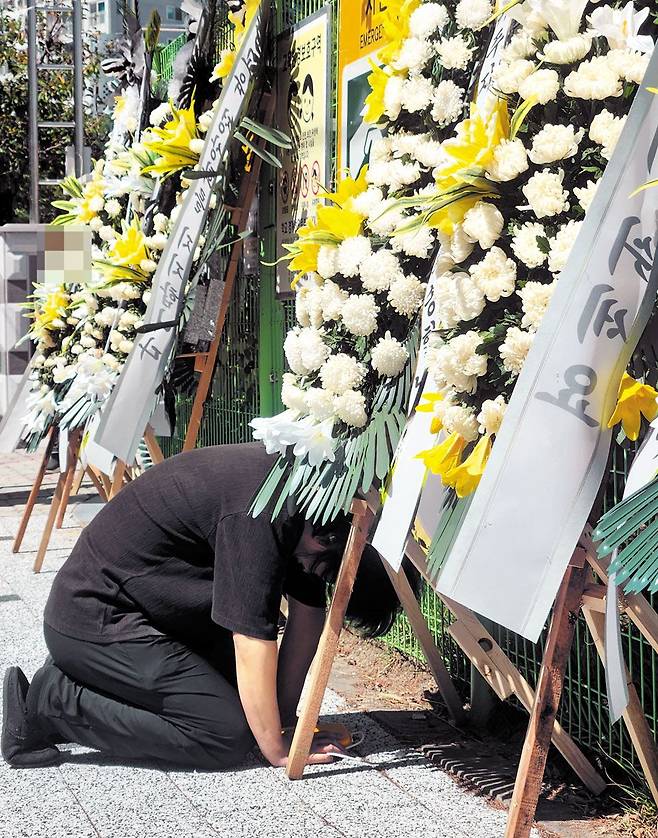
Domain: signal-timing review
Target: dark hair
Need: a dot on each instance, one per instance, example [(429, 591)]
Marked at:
[(308, 84), (374, 604)]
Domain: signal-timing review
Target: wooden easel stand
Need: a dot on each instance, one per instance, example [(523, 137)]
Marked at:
[(34, 492)]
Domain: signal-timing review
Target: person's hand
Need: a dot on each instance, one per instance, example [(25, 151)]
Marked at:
[(323, 749)]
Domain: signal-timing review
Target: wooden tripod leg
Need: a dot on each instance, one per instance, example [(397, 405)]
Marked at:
[(77, 483), (434, 660), (328, 645), (117, 479), (74, 442), (547, 698), (155, 452), (634, 718), (34, 492), (96, 480), (68, 485)]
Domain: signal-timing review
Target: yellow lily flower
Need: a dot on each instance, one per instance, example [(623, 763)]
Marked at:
[(124, 258), (304, 261), (634, 401), (378, 79), (342, 223), (466, 477), (445, 456), (172, 148), (348, 188), (395, 23), (49, 311), (428, 407), (225, 65)]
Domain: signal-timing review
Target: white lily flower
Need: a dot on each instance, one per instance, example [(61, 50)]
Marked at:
[(620, 27), (275, 432), (315, 440), (563, 16)]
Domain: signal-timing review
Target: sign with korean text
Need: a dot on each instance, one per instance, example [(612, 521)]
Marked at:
[(303, 94), (133, 399), (549, 458), (360, 35)]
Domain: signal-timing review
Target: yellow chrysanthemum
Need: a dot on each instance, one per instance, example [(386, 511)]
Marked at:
[(466, 477), (634, 401), (172, 146), (445, 456)]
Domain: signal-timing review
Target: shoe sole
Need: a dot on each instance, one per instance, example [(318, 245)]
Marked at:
[(15, 761)]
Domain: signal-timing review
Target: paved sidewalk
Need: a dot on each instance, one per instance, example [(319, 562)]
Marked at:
[(397, 794)]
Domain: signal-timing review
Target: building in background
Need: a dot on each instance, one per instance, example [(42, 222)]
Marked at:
[(105, 15)]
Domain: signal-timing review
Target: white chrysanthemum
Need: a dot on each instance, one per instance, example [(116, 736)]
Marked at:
[(417, 93), (359, 314), (521, 45), (327, 261), (535, 297), (427, 18), (460, 420), (388, 356), (495, 274), (542, 84), (159, 114), (158, 241), (406, 295), (525, 246), (368, 202), (509, 161), (350, 407), (416, 243), (430, 153), (448, 102), (305, 350), (509, 75), (389, 218), (454, 53), (458, 299), (605, 129), (555, 142), (415, 54), (459, 245), (457, 364), (331, 299), (628, 64), (379, 270), (351, 253), (594, 79), (160, 222), (319, 403), (514, 349), (292, 395), (395, 174), (302, 309), (545, 194), (113, 208), (473, 14), (490, 417), (196, 145), (393, 97), (483, 223), (566, 51), (585, 194), (381, 149), (341, 372), (561, 245)]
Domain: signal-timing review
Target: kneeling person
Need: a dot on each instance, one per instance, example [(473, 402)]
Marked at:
[(162, 624)]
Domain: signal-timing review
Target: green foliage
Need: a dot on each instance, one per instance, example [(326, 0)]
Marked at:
[(55, 103)]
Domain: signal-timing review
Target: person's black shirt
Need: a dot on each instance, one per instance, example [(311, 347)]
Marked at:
[(177, 552)]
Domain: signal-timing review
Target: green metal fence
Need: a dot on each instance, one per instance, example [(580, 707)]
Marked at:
[(247, 384)]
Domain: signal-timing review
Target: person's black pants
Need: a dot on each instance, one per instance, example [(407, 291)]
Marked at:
[(152, 698)]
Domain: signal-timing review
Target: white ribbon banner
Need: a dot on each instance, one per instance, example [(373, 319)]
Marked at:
[(125, 414), (549, 458), (413, 492)]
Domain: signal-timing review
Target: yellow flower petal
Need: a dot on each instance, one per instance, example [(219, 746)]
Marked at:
[(634, 401), (466, 477), (445, 456)]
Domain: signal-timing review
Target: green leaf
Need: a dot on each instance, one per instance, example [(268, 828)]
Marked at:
[(272, 135), (265, 155)]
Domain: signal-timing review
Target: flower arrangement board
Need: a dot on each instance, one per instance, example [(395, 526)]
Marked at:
[(125, 414), (303, 96)]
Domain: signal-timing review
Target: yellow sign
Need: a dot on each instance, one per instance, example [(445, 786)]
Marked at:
[(303, 97), (360, 35)]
